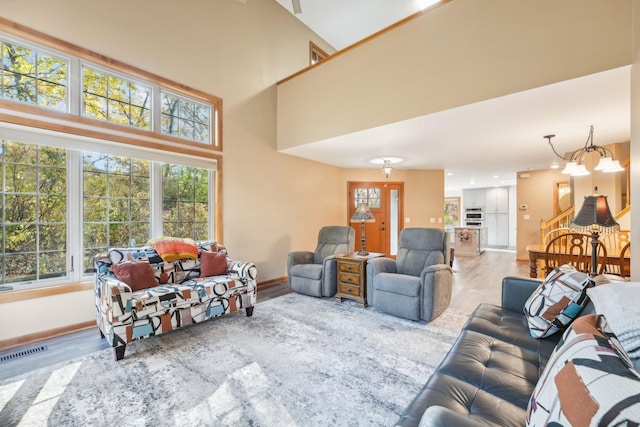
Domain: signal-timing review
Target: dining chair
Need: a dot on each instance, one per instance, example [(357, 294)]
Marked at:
[(574, 249), (614, 240), (625, 260)]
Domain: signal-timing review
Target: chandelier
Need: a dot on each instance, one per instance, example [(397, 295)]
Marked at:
[(575, 166)]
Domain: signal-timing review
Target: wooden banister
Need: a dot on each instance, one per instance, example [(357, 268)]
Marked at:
[(562, 220)]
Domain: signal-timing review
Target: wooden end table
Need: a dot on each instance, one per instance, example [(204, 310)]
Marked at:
[(352, 276)]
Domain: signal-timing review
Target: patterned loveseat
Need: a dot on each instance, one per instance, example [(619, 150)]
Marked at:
[(125, 315)]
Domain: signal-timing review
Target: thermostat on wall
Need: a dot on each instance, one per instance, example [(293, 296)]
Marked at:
[(523, 207)]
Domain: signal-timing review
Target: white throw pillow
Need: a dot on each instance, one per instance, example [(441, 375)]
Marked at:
[(620, 303)]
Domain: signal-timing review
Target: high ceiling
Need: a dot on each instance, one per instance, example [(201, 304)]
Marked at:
[(478, 145)]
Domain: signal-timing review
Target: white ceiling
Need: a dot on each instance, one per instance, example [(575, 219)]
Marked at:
[(478, 145)]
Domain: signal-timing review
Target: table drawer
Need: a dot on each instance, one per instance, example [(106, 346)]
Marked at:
[(350, 267), (349, 289), (350, 279)]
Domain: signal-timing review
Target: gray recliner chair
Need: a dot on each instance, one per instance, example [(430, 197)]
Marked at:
[(417, 284), (315, 273)]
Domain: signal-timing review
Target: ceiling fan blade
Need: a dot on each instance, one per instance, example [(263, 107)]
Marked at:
[(296, 6)]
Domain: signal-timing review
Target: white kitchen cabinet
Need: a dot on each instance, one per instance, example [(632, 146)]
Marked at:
[(475, 198), (497, 200), (498, 229)]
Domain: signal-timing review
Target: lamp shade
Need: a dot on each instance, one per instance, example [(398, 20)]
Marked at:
[(363, 214), (595, 211)]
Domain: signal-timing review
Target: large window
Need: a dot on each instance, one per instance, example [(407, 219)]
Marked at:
[(33, 212), (185, 201), (116, 199), (117, 203)]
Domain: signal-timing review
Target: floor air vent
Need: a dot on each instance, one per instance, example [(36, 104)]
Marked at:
[(22, 353)]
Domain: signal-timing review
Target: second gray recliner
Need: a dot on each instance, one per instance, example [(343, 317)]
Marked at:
[(417, 284)]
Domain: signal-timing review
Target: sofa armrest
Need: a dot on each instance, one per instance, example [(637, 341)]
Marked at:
[(439, 416), (243, 269), (113, 301), (516, 291)]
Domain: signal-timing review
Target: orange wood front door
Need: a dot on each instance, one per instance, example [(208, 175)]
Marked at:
[(385, 201)]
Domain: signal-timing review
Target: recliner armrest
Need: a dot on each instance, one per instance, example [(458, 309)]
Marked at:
[(381, 265), (299, 257), (434, 268), (516, 291)]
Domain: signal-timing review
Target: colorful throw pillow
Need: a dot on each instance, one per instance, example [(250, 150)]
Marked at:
[(137, 274), (588, 380), (557, 301), (212, 264), (173, 249)]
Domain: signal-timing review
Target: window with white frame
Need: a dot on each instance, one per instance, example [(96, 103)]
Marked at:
[(106, 96), (65, 199), (33, 77), (116, 200), (185, 118), (34, 207)]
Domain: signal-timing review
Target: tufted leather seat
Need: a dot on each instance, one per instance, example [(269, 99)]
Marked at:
[(491, 370)]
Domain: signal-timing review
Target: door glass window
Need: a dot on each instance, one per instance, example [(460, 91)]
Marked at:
[(369, 196)]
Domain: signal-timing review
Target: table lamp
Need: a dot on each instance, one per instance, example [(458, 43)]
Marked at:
[(594, 216), (363, 214)]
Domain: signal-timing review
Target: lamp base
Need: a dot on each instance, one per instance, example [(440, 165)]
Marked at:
[(362, 253)]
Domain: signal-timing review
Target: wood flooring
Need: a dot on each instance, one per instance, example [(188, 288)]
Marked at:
[(476, 280)]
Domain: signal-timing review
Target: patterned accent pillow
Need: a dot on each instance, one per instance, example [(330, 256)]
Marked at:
[(557, 301), (588, 380)]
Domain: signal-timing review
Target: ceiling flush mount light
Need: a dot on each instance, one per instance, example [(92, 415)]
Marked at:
[(386, 163), (575, 167), (386, 168)]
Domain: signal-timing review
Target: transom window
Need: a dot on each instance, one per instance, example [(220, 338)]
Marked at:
[(33, 77), (184, 118), (116, 99)]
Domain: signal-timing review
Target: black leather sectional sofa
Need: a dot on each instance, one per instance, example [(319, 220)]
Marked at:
[(491, 370)]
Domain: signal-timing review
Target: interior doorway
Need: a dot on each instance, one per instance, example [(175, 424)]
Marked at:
[(386, 201)]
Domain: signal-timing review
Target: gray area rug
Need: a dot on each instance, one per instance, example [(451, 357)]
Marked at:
[(299, 361)]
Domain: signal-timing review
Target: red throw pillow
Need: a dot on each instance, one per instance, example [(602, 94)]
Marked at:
[(137, 274), (212, 264)]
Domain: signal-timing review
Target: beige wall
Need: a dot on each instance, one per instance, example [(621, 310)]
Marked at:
[(535, 191), (463, 52), (272, 203), (423, 192)]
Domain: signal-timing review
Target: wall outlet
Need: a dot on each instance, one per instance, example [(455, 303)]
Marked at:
[(439, 220), (407, 220), (432, 220)]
